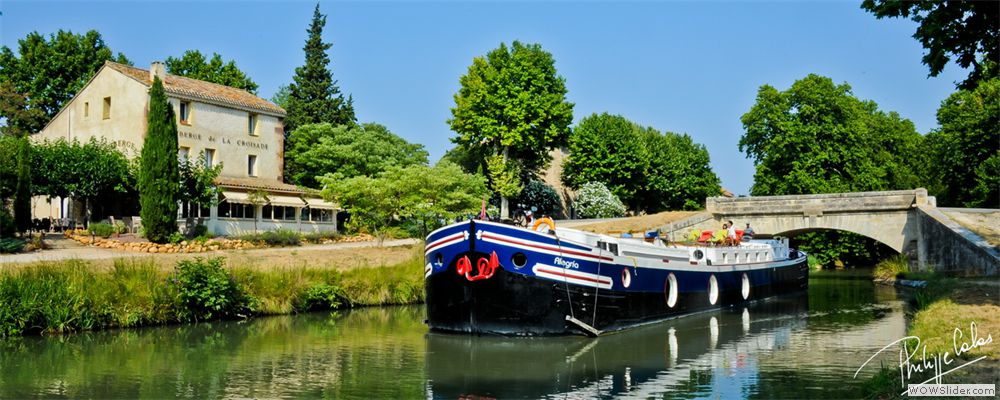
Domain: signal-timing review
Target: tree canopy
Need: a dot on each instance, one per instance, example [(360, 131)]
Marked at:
[(350, 150), (313, 95), (648, 170), (158, 172), (966, 30), (194, 65), (427, 196), (966, 148), (47, 72), (511, 104), (816, 137)]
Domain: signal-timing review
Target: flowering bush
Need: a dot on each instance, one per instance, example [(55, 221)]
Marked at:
[(594, 200)]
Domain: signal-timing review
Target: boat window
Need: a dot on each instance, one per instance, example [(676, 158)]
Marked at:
[(602, 245), (613, 247)]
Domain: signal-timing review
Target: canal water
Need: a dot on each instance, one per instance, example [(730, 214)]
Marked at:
[(808, 345)]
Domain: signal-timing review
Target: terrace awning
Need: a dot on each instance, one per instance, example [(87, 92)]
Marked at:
[(287, 201), (236, 197), (320, 203)]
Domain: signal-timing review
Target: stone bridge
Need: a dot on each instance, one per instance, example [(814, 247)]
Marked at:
[(908, 221)]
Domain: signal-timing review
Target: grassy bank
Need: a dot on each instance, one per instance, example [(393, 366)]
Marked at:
[(940, 308), (76, 295)]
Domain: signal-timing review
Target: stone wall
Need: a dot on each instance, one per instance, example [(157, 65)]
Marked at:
[(950, 248)]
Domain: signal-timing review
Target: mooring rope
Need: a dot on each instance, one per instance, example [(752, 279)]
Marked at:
[(600, 253), (569, 299)]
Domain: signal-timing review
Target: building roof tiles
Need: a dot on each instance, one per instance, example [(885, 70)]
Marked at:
[(211, 92)]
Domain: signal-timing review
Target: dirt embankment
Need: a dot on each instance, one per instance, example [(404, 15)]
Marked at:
[(641, 223)]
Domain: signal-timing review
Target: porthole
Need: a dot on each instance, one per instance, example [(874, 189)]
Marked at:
[(745, 289), (626, 277), (438, 259), (698, 255), (671, 288), (713, 290), (519, 260)]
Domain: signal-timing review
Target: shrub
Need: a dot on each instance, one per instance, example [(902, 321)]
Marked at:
[(206, 291), (594, 200), (11, 245), (280, 237), (541, 196), (175, 238), (891, 268), (317, 237), (7, 226), (102, 229), (120, 227), (198, 231), (320, 296)]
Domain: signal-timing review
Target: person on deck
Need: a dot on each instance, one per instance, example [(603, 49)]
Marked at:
[(731, 234), (747, 233)]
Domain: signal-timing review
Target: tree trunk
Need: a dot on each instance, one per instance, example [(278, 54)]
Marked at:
[(504, 208)]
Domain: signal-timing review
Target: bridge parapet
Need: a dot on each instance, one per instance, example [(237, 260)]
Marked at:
[(818, 204)]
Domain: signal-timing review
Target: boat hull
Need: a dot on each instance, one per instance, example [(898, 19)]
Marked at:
[(594, 292)]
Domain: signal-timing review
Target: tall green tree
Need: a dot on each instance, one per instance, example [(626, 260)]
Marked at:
[(87, 171), (158, 170), (648, 170), (425, 195), (511, 105), (47, 72), (679, 175), (608, 149), (313, 95), (22, 195), (966, 148), (194, 65), (350, 150), (969, 31), (817, 137)]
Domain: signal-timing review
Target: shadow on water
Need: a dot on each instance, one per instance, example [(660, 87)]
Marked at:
[(807, 345)]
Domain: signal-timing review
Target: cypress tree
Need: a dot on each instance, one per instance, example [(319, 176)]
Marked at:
[(314, 96), (22, 192), (158, 170)]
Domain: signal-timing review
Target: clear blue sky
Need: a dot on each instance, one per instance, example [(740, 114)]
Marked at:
[(691, 67)]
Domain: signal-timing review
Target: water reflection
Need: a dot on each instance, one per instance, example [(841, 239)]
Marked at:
[(793, 347)]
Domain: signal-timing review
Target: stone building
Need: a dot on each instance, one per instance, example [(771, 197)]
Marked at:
[(228, 126)]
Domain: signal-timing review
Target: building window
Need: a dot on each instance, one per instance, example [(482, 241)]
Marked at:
[(86, 109), (252, 124), (209, 158), (185, 113), (252, 165), (183, 153), (107, 108), (321, 215), (236, 210)]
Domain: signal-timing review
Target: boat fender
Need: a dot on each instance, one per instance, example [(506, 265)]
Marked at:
[(545, 220)]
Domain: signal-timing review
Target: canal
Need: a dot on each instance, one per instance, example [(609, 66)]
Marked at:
[(792, 347)]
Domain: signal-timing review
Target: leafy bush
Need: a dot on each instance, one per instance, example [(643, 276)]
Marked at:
[(120, 227), (280, 237), (541, 196), (7, 226), (11, 245), (594, 200), (102, 229), (317, 237), (206, 291), (175, 238), (320, 296), (891, 268), (198, 231)]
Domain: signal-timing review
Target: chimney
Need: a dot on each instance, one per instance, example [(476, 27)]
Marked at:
[(157, 69)]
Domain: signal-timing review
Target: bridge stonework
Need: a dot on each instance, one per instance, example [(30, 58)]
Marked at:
[(905, 220)]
